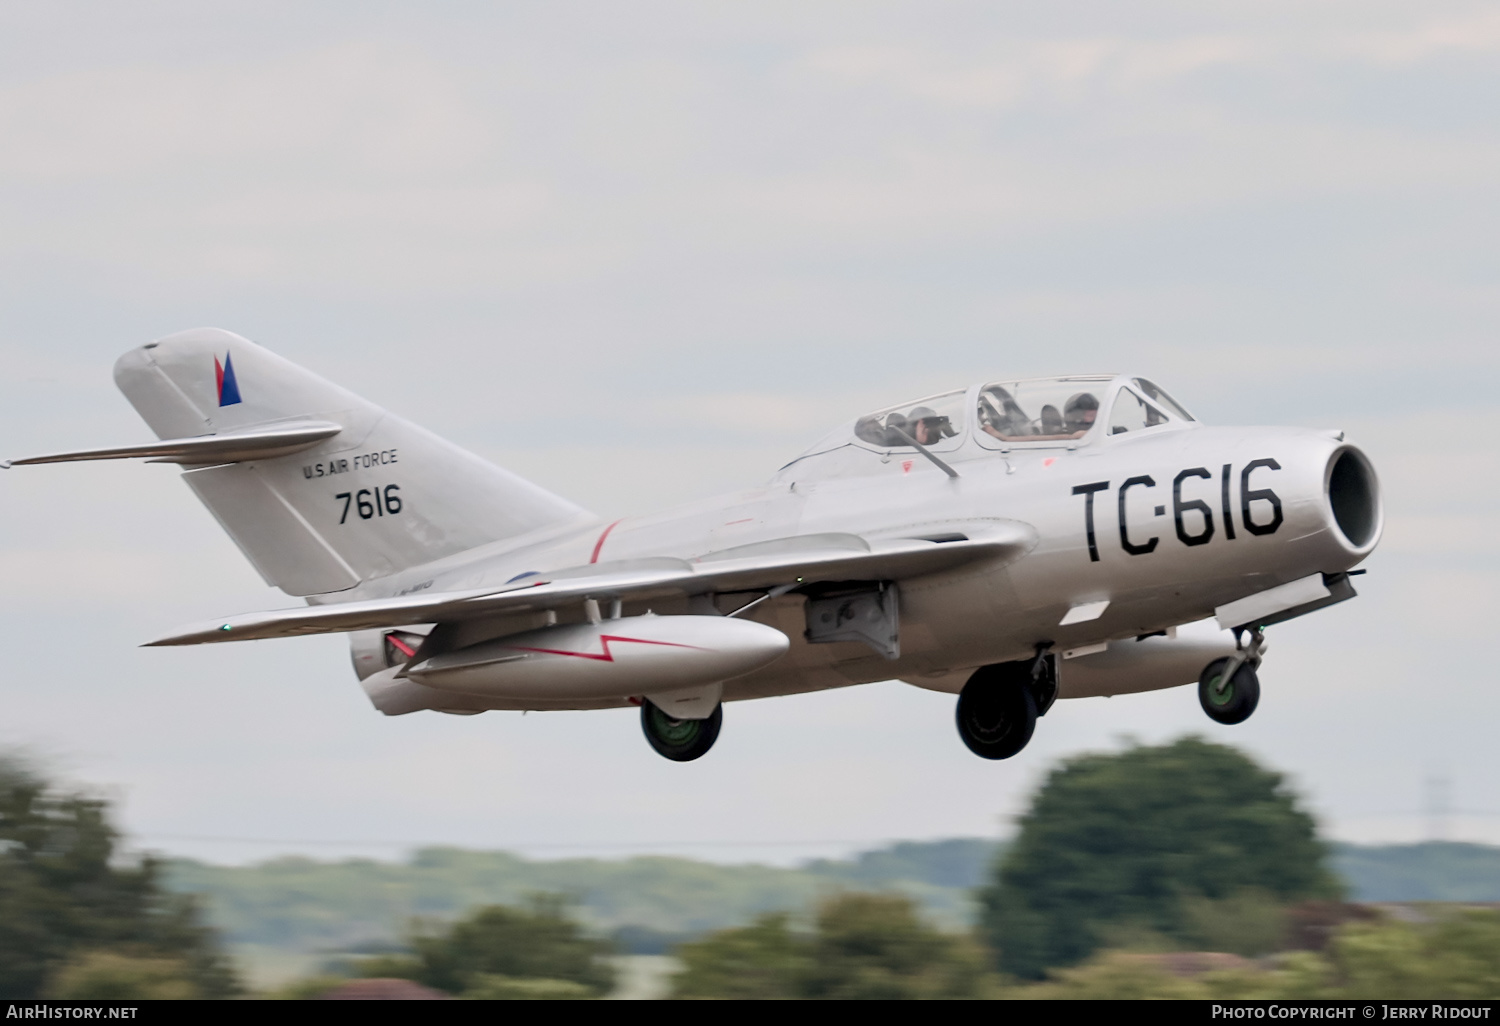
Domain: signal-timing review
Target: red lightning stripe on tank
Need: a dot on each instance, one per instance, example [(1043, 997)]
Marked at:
[(600, 543), (604, 640)]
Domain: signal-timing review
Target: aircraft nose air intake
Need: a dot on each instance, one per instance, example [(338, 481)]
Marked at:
[(1354, 496)]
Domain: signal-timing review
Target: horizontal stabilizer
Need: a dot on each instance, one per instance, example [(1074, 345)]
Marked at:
[(892, 559), (259, 444)]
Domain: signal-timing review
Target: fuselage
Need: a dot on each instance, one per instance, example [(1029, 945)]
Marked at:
[(1164, 523)]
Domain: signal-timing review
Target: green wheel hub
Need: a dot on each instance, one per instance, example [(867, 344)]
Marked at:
[(1229, 698), (673, 732), (680, 740), (1220, 691)]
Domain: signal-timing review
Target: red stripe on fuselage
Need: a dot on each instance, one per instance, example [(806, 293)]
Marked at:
[(600, 543), (604, 640)]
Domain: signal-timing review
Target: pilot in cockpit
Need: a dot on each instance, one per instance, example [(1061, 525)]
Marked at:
[(922, 425), (927, 427), (1000, 416), (1080, 412)]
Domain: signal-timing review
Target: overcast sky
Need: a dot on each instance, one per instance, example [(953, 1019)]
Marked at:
[(643, 252)]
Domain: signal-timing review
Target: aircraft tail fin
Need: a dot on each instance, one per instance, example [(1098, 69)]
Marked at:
[(378, 496)]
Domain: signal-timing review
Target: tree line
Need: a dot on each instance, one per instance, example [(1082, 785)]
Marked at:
[(1178, 870)]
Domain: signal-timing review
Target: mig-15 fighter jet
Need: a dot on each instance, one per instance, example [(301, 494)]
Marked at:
[(1011, 543)]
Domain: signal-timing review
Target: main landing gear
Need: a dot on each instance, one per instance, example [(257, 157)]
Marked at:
[(680, 740), (1229, 689), (998, 707)]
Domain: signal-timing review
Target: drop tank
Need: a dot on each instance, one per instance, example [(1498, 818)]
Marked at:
[(610, 659)]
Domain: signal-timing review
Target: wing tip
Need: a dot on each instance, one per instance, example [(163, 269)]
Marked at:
[(166, 642), (195, 636)]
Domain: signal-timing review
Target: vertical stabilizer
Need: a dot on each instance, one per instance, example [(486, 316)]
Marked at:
[(380, 496)]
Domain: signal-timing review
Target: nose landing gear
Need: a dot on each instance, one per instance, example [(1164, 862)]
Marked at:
[(1229, 689)]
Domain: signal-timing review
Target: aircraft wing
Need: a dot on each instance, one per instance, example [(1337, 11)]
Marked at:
[(805, 559)]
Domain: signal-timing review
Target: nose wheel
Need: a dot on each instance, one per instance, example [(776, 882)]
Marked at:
[(680, 740), (1229, 689)]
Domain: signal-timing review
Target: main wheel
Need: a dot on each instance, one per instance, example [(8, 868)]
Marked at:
[(996, 713), (1230, 701), (680, 740)]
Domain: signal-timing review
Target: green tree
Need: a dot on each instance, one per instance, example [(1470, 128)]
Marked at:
[(1455, 957), (762, 960), (107, 975), (1247, 922), (65, 900), (1458, 957), (1114, 976), (874, 946), (862, 946), (1133, 843), (496, 944), (489, 987)]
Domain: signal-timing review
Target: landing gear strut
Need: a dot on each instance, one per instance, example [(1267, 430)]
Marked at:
[(998, 707), (1229, 689), (680, 740)]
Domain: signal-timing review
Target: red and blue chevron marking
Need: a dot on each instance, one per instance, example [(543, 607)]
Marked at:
[(229, 388)]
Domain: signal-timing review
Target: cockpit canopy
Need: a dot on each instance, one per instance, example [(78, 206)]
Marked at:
[(936, 422), (1040, 410), (1036, 412)]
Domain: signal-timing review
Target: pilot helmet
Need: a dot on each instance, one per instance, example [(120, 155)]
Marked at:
[(1079, 404), (937, 424)]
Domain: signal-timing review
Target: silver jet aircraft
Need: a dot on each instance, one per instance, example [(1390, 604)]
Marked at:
[(1012, 543)]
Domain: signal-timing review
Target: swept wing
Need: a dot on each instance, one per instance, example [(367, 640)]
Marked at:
[(808, 559)]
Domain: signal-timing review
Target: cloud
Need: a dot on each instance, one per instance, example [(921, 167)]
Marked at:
[(1059, 70), (1436, 39), (367, 107)]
